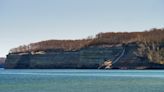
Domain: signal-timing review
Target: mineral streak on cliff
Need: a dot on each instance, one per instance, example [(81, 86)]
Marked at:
[(135, 50)]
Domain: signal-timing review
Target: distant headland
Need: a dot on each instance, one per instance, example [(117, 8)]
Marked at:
[(2, 61), (122, 50)]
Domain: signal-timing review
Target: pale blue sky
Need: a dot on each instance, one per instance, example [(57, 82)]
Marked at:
[(26, 21)]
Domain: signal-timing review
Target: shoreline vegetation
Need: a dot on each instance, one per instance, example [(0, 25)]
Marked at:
[(121, 50)]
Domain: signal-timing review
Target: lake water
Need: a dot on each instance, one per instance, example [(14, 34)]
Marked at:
[(81, 80)]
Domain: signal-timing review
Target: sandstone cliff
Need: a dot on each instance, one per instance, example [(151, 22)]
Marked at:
[(91, 57), (136, 50)]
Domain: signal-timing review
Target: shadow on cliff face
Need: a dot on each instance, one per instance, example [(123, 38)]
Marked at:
[(23, 62)]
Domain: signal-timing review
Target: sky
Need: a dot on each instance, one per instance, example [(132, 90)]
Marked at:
[(28, 21)]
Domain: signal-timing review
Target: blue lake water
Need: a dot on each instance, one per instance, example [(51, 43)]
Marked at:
[(81, 80)]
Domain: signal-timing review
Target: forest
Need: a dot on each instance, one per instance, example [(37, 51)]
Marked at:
[(153, 36)]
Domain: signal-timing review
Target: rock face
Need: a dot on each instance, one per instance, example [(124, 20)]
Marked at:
[(2, 61), (92, 57)]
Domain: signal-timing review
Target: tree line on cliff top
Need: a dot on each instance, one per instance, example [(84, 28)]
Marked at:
[(109, 38)]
